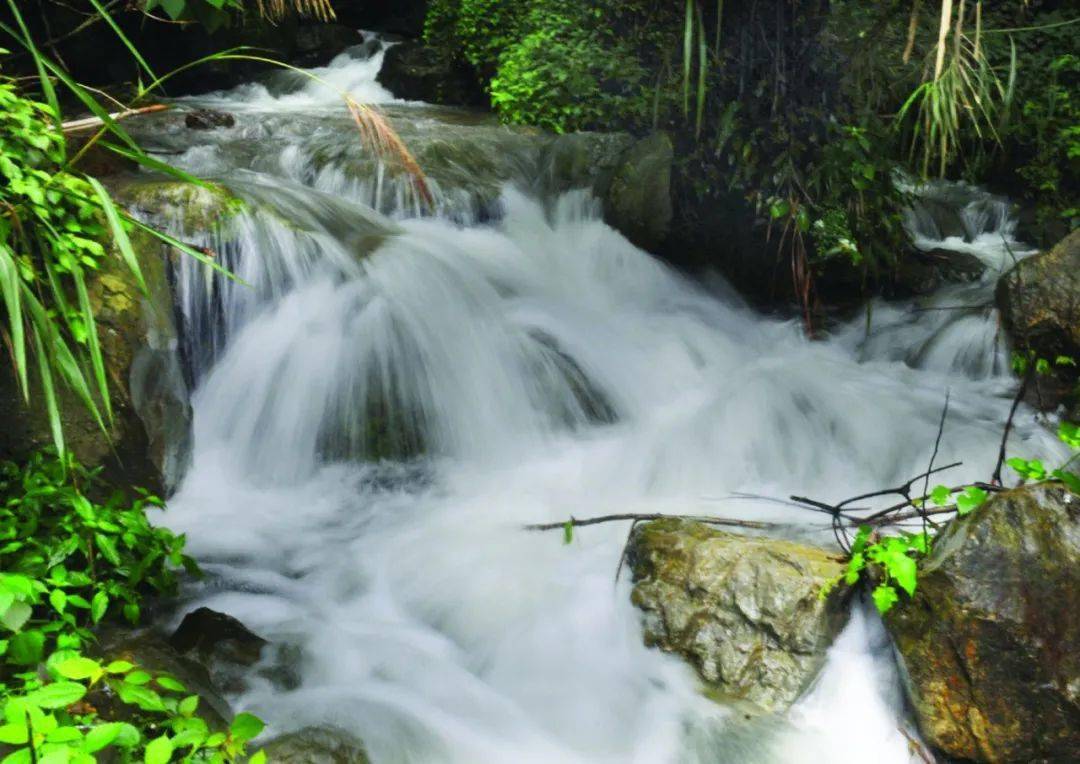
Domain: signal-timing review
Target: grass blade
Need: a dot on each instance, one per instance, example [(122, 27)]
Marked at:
[(10, 287), (50, 394), (119, 233), (97, 362)]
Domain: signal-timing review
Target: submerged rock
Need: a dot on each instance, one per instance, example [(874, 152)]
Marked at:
[(217, 636), (193, 208), (922, 272), (1040, 308), (989, 643), (746, 612), (316, 745), (208, 119)]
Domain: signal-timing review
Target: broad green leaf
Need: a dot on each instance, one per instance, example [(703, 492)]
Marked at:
[(170, 683), (941, 495), (245, 727), (80, 668), (259, 757), (884, 598), (57, 695), (98, 606), (119, 667), (16, 616), (189, 705), (26, 648), (972, 498), (101, 736), (14, 734), (158, 751)]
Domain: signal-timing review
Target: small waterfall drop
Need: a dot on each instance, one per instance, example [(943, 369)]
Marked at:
[(395, 395)]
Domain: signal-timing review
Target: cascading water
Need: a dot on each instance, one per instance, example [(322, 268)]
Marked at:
[(390, 400)]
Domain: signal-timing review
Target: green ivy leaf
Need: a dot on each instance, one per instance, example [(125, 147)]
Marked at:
[(26, 648), (98, 606), (941, 495), (884, 598), (101, 736), (80, 668)]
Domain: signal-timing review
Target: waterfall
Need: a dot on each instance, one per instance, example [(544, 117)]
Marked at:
[(392, 395)]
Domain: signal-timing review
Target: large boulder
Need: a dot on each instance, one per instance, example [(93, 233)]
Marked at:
[(638, 201), (990, 643), (417, 72), (138, 342), (747, 613), (1039, 300)]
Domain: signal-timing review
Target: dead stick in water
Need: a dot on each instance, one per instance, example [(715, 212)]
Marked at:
[(88, 122), (574, 522)]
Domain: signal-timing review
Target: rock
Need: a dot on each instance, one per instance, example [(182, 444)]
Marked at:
[(746, 612), (316, 745), (149, 398), (417, 72), (1039, 299), (989, 643), (193, 208), (217, 636), (638, 201), (317, 44), (208, 119), (922, 272), (149, 651)]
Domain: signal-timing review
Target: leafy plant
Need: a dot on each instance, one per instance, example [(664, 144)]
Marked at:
[(68, 562)]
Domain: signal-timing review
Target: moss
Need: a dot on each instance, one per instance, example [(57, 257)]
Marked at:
[(195, 207)]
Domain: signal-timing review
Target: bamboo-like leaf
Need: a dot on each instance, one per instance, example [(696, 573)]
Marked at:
[(97, 362), (688, 53), (10, 287), (119, 233), (187, 249), (51, 408), (703, 68)]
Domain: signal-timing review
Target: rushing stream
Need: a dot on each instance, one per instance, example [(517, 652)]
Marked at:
[(395, 394)]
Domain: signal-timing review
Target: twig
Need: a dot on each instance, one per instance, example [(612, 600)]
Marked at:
[(574, 522), (996, 478), (937, 445), (82, 124)]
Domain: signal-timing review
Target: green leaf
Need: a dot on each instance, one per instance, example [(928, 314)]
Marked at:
[(101, 736), (98, 606), (80, 668), (58, 599), (1069, 434), (170, 683), (941, 495), (119, 667), (16, 616), (972, 498), (57, 695), (188, 705), (14, 734), (26, 648), (259, 757), (107, 547), (119, 233), (143, 697), (158, 751), (138, 678), (884, 598), (246, 727), (568, 532)]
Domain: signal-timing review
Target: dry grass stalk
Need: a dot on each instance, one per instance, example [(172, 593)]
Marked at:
[(379, 136), (277, 9)]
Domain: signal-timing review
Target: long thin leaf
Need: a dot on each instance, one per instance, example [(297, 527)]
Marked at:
[(27, 41), (187, 249), (119, 233), (9, 286), (688, 53), (97, 362), (703, 69), (50, 394)]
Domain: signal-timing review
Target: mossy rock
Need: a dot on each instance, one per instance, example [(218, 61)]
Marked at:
[(990, 643), (192, 207), (138, 342), (746, 612), (1040, 309), (316, 745)]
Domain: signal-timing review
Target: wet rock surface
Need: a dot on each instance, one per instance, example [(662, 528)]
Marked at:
[(416, 72), (208, 119), (316, 745), (746, 612), (988, 644)]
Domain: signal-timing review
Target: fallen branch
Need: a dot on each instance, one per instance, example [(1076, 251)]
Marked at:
[(75, 125), (996, 478), (574, 522)]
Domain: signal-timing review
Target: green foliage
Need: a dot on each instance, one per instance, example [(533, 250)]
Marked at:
[(68, 563), (50, 238), (894, 557)]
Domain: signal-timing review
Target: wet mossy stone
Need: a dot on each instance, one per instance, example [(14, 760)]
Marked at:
[(316, 745), (746, 612), (990, 643), (192, 208)]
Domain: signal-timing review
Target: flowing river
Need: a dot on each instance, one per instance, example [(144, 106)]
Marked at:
[(395, 392)]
